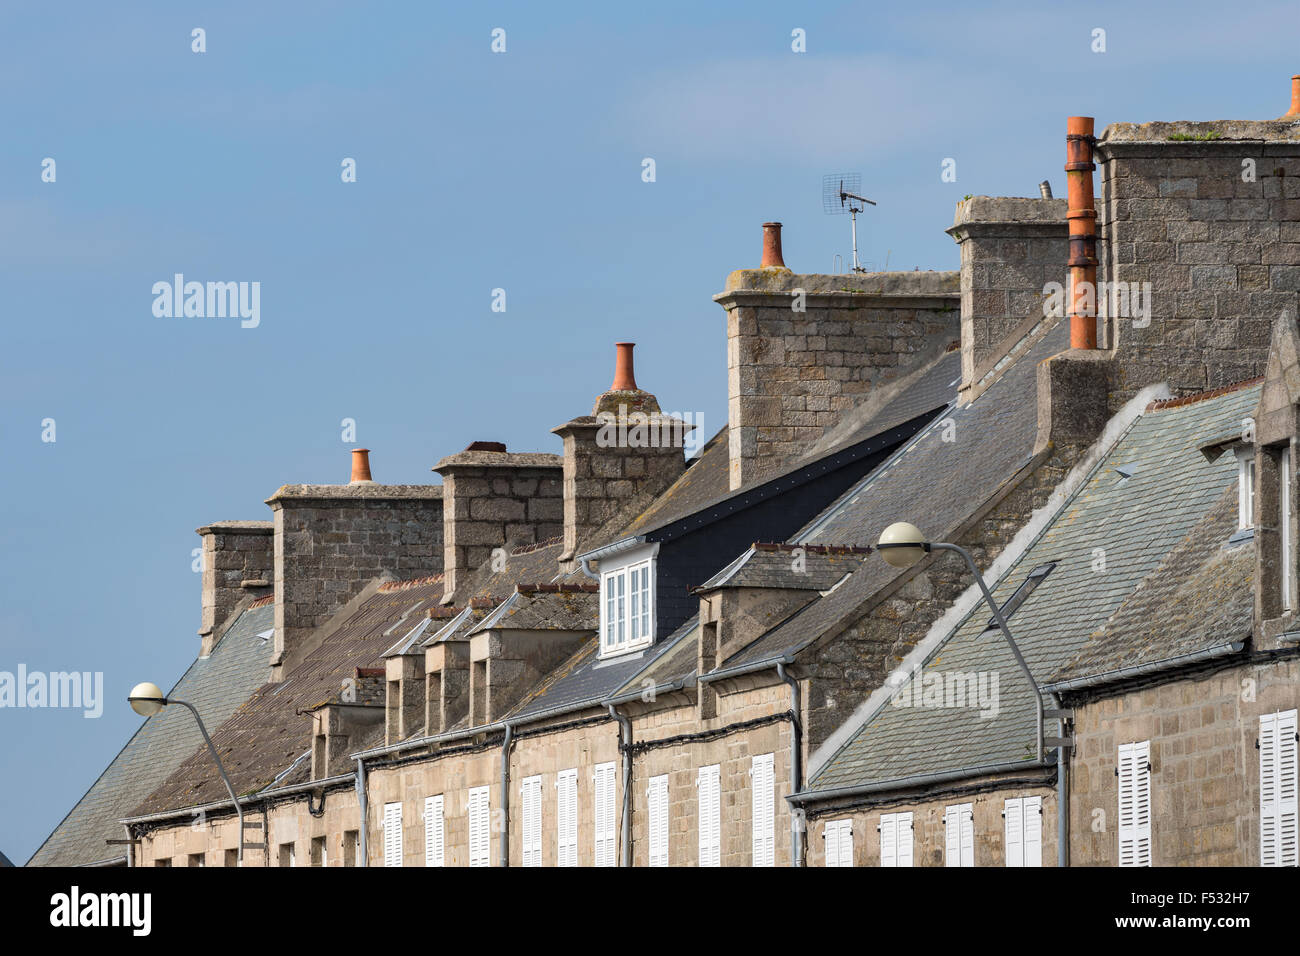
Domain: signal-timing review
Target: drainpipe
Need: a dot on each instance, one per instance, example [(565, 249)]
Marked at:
[(1082, 217), (1062, 792), (796, 765), (130, 845), (363, 830), (625, 748), (505, 792)]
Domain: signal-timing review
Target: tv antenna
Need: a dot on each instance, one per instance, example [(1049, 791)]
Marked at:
[(841, 193)]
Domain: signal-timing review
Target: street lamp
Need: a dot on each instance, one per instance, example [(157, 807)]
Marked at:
[(903, 544), (147, 699)]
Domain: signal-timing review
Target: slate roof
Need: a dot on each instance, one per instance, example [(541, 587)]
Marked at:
[(238, 665), (1201, 597), (584, 677), (556, 607), (926, 390), (774, 566), (1132, 523), (270, 730), (932, 480)]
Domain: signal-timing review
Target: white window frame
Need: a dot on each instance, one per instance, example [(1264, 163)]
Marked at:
[(605, 815), (1245, 487), (1134, 804), (435, 843), (624, 587), (838, 838), (762, 786), (530, 800), (896, 839), (657, 806), (709, 801), (1278, 785), (1023, 831), (480, 826), (959, 835), (393, 834), (566, 817)]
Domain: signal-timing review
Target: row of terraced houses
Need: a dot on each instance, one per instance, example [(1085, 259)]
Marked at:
[(613, 655)]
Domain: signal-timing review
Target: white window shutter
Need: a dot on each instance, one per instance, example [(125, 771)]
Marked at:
[(1033, 822), (1024, 831), (952, 837), (1134, 804), (762, 784), (838, 835), (904, 838), (959, 835), (1278, 790), (434, 852), (567, 817), (392, 834), (889, 839), (709, 812), (480, 837), (657, 798), (530, 793), (606, 841), (1013, 826)]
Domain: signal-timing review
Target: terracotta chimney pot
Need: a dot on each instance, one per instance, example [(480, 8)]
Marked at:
[(360, 465), (772, 246), (1294, 112), (624, 378)]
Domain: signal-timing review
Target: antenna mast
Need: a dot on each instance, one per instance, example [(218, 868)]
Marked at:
[(840, 194)]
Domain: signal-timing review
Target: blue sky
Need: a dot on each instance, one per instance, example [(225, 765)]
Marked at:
[(475, 171)]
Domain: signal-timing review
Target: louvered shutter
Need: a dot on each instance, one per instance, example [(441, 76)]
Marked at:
[(1134, 804), (889, 839), (903, 838), (1014, 828), (838, 836), (762, 784), (606, 844), (959, 835), (567, 817), (392, 834), (480, 839), (657, 798), (951, 837), (1277, 790), (530, 792), (1032, 815), (709, 823), (433, 833)]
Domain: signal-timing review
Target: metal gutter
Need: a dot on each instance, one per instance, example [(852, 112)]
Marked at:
[(1138, 670), (740, 670), (251, 799)]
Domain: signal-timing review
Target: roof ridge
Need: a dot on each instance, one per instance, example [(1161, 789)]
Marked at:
[(390, 586), (1184, 400)]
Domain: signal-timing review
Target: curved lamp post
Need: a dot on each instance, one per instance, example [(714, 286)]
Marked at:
[(147, 699), (902, 545)]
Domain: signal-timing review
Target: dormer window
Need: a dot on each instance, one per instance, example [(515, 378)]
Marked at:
[(627, 608)]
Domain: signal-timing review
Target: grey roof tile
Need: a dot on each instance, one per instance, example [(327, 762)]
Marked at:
[(237, 666), (1130, 523)]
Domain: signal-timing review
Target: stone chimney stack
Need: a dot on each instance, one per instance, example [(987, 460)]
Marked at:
[(492, 499), (331, 541), (801, 349), (626, 449), (237, 563), (1011, 250)]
